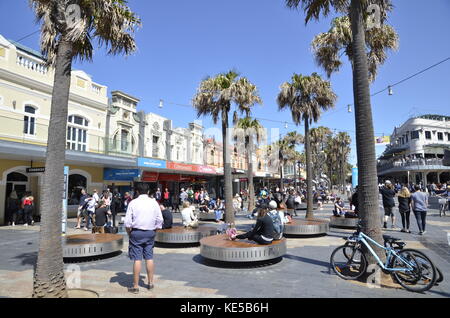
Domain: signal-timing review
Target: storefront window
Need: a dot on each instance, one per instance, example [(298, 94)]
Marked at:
[(76, 184)]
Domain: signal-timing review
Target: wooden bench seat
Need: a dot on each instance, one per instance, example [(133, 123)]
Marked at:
[(220, 248)]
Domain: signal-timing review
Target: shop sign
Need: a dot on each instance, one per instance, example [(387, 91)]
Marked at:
[(169, 177), (148, 176), (207, 169), (181, 166), (120, 174), (151, 163), (36, 170)]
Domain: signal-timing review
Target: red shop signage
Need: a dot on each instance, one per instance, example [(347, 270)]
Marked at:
[(149, 176), (169, 177), (180, 166)]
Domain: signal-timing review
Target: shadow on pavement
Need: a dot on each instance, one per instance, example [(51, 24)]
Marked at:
[(307, 260), (126, 280), (236, 265), (28, 258)]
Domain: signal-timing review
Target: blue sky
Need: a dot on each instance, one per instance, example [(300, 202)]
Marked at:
[(181, 42)]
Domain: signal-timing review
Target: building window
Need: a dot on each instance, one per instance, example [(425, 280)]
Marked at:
[(77, 133), (76, 184), (406, 138), (29, 121), (414, 134), (124, 140), (440, 136), (428, 135), (155, 148)]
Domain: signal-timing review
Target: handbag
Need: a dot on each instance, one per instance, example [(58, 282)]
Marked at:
[(231, 233)]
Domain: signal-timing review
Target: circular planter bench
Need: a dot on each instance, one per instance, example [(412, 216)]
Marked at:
[(220, 248), (182, 235), (91, 245), (306, 227), (342, 222)]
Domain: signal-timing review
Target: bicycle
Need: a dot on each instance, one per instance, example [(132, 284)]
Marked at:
[(412, 269)]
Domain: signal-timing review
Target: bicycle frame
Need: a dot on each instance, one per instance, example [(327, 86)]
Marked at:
[(390, 253)]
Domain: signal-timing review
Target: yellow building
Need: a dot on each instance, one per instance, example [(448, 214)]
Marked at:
[(25, 100)]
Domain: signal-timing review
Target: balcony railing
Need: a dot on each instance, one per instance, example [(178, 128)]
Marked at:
[(31, 64), (410, 163), (13, 129)]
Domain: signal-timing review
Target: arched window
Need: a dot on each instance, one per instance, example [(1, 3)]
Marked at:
[(77, 133), (29, 121), (77, 182)]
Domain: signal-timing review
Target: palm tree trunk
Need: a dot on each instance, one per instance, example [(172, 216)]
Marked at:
[(251, 187), (281, 174), (228, 185), (49, 278), (309, 199), (365, 144)]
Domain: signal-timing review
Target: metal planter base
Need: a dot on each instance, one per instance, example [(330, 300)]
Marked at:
[(341, 222), (305, 227), (220, 248), (91, 245), (182, 235)]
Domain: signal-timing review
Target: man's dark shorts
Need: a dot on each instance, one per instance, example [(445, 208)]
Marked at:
[(388, 211), (141, 245)]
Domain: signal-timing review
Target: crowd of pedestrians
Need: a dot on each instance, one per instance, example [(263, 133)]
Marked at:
[(20, 210), (411, 198)]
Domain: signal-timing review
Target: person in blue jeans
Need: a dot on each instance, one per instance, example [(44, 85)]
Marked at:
[(419, 202), (219, 209)]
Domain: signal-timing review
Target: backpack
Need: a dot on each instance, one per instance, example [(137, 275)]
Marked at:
[(277, 225)]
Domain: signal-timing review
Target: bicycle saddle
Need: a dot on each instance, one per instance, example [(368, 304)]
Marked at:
[(390, 239)]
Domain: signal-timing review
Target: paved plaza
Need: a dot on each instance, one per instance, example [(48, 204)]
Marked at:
[(182, 273)]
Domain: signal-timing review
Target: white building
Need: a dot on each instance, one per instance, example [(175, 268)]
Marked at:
[(416, 151)]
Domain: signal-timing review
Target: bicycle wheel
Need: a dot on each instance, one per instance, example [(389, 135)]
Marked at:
[(423, 275), (348, 262), (348, 250)]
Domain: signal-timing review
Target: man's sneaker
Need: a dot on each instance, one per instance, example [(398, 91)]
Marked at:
[(420, 233), (424, 232), (26, 224), (385, 225)]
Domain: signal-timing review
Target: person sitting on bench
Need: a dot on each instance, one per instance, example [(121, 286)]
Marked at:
[(167, 217), (263, 231), (188, 216), (339, 210)]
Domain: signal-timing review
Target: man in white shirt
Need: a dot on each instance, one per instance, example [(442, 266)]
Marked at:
[(143, 217)]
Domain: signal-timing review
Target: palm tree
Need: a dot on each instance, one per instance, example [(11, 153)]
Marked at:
[(215, 97), (343, 142), (365, 139), (327, 47), (319, 137), (64, 37), (306, 97), (249, 129), (294, 139)]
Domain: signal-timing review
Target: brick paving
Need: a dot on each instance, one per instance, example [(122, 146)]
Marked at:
[(182, 273)]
